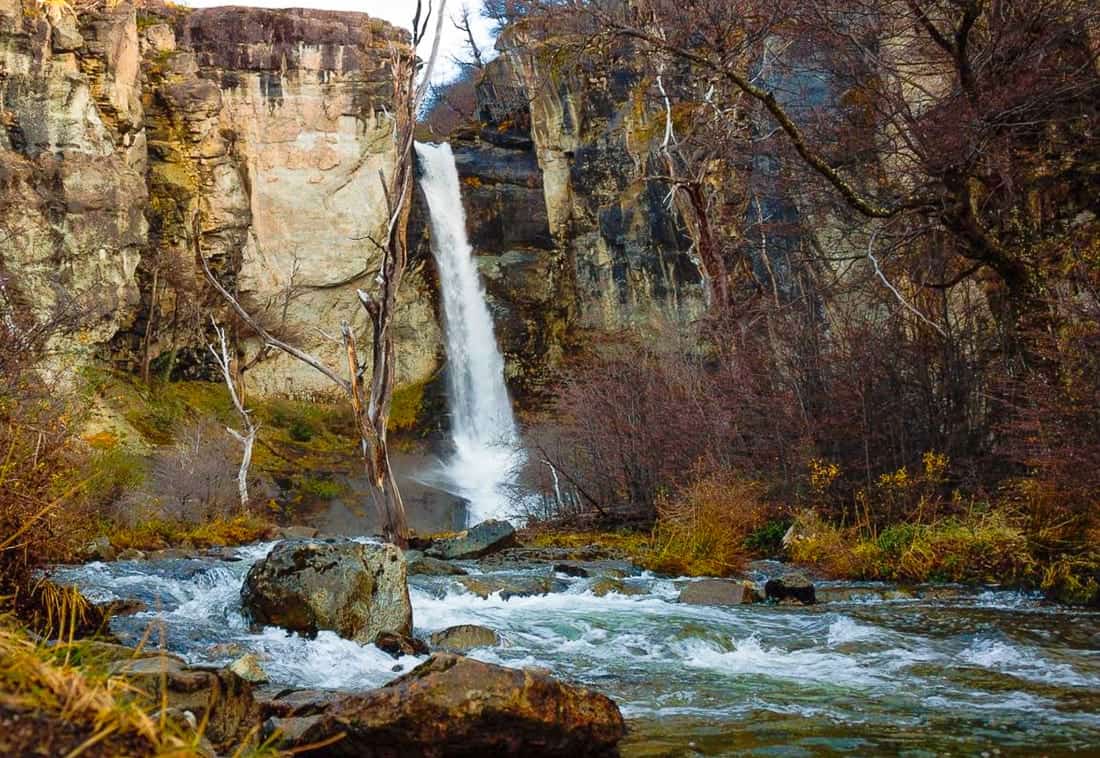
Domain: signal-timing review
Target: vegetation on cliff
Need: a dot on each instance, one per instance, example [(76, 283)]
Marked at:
[(890, 207)]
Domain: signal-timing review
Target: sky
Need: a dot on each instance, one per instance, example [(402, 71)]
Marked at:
[(398, 12)]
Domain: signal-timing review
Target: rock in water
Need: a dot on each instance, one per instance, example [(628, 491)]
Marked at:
[(791, 587), (719, 592), (487, 537), (452, 705), (464, 638), (358, 591)]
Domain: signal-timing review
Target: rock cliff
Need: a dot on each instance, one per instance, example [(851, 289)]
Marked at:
[(135, 140)]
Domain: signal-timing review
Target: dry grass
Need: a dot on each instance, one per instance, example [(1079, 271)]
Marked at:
[(702, 531), (48, 682), (219, 532), (979, 547)]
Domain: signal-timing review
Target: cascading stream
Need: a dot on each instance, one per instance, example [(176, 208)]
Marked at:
[(483, 428)]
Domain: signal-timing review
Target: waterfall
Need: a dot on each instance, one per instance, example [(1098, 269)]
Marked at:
[(483, 429)]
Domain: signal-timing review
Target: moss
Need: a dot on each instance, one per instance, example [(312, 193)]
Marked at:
[(321, 488), (407, 407), (157, 534)]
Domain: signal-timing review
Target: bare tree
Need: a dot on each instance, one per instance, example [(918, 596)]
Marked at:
[(247, 437), (371, 403)]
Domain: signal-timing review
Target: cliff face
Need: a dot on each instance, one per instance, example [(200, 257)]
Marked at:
[(268, 129), (133, 141), (572, 235), (72, 164)]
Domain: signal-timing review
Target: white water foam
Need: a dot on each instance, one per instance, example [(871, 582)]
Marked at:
[(483, 429)]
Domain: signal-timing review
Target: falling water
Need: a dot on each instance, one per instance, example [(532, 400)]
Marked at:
[(482, 426)]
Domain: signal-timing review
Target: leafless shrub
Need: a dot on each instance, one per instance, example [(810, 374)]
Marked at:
[(191, 481)]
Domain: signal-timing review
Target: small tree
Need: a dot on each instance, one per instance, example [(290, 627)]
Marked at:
[(247, 437)]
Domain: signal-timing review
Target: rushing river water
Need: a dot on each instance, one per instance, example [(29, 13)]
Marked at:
[(874, 672)]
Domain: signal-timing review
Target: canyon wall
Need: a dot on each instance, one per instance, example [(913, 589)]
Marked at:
[(135, 140)]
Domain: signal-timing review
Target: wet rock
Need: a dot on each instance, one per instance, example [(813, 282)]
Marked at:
[(859, 594), (483, 539), (464, 638), (296, 533), (719, 592), (131, 555), (119, 608), (585, 569), (169, 554), (221, 697), (100, 549), (512, 586), (398, 645), (452, 705), (791, 587), (606, 585), (424, 565), (248, 667), (358, 591)]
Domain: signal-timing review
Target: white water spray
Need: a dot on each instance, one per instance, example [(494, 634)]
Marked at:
[(482, 426)]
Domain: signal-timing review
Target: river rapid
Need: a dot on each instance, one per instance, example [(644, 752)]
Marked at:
[(873, 671)]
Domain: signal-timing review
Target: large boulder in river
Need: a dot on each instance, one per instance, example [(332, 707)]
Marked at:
[(719, 592), (487, 537), (356, 590), (452, 705)]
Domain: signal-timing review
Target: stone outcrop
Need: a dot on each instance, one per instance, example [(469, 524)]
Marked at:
[(457, 706), (719, 592), (268, 130), (487, 537), (72, 161), (133, 140), (792, 587), (357, 590)]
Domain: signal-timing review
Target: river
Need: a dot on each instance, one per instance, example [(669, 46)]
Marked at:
[(874, 671)]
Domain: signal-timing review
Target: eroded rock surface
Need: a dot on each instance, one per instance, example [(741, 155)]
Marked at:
[(358, 591), (452, 705)]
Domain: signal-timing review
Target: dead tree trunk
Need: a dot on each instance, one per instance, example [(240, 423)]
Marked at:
[(247, 437), (372, 408)]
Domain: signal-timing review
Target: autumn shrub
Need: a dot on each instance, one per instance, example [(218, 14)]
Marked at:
[(703, 529), (983, 547)]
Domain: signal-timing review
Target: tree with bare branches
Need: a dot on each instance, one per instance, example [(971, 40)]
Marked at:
[(371, 396)]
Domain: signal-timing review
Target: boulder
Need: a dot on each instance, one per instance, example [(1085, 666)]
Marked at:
[(464, 638), (131, 555), (792, 587), (719, 592), (356, 590), (248, 667), (424, 565), (221, 698), (398, 645), (452, 705), (100, 549), (297, 532), (511, 586), (606, 585), (483, 539), (119, 608)]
